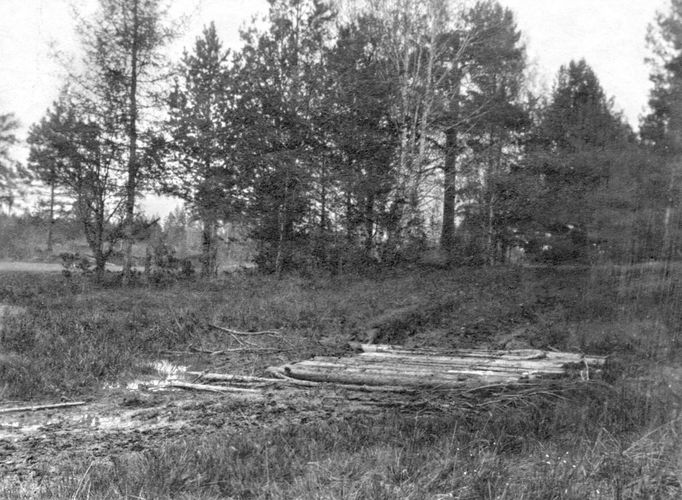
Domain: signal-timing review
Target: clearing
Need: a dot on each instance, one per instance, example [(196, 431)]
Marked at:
[(121, 352)]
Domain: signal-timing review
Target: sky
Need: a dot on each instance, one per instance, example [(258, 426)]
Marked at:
[(608, 34)]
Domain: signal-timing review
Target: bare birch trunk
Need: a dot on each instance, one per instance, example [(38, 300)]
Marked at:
[(447, 236)]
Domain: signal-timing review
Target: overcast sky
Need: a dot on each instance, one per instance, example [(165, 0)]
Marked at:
[(609, 34)]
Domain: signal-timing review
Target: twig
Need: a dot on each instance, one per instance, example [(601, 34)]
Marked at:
[(239, 341), (41, 407), (242, 341), (198, 375), (237, 332), (82, 480)]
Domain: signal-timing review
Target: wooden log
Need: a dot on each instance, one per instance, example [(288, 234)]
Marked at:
[(421, 372), (212, 388), (518, 354), (425, 370), (395, 377), (475, 353), (364, 379), (510, 356), (550, 358), (447, 361), (443, 365), (231, 378), (459, 374), (42, 407), (279, 372)]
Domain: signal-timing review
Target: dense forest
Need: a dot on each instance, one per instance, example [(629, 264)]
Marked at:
[(405, 131)]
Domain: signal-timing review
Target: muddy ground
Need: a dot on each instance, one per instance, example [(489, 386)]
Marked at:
[(148, 413)]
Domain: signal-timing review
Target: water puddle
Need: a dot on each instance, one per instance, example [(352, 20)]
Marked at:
[(164, 373), (100, 417)]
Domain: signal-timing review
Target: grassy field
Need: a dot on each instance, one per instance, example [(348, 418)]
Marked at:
[(614, 438)]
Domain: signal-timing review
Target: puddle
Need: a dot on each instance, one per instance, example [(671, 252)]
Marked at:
[(99, 417), (165, 373), (92, 421)]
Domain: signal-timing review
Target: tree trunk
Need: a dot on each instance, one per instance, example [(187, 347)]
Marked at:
[(369, 226), (447, 237), (492, 243), (281, 229), (93, 229), (323, 200), (50, 226), (209, 250), (131, 183), (668, 250), (349, 217)]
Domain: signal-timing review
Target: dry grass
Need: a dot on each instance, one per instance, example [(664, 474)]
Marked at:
[(619, 439)]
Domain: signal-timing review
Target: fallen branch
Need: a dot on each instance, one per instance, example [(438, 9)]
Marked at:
[(237, 349), (237, 332), (231, 378), (42, 407), (212, 388), (205, 351)]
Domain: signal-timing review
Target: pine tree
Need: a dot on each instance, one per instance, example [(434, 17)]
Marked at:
[(495, 119), (123, 63), (280, 91), (8, 167), (573, 153), (75, 152), (204, 127), (661, 129), (362, 131)]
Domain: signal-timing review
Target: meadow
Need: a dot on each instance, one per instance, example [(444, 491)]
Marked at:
[(617, 436)]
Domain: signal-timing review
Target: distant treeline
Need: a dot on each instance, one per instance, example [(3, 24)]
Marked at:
[(344, 140), (164, 241)]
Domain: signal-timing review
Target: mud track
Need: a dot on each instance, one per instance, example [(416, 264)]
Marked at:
[(32, 443)]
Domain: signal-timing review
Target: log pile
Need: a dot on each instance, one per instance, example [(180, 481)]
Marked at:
[(397, 367)]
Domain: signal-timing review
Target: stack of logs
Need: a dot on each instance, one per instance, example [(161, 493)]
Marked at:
[(389, 366)]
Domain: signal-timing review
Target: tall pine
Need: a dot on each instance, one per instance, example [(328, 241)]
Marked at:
[(123, 46), (661, 129), (204, 127)]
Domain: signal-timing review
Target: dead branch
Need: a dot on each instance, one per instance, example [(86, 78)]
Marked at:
[(42, 407), (205, 351), (242, 341), (231, 378), (237, 349), (237, 332), (212, 388)]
